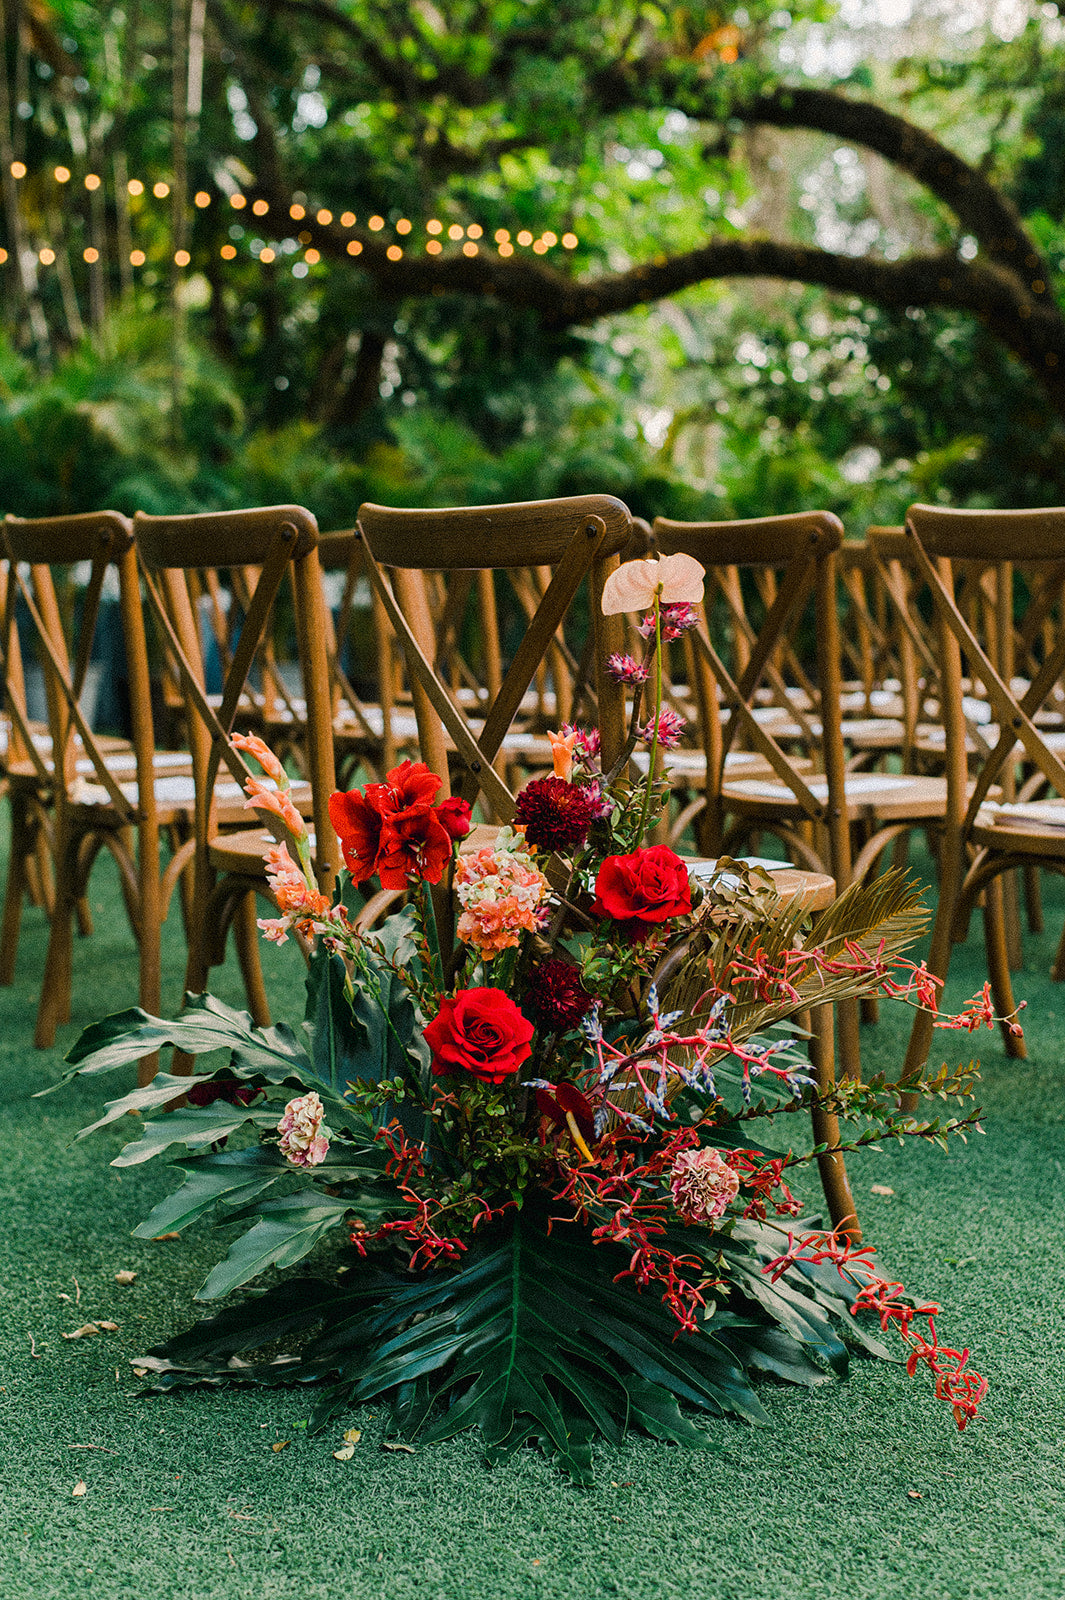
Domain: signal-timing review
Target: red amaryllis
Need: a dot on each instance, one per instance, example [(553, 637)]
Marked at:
[(393, 828), (479, 1031), (556, 996), (642, 889), (556, 815)]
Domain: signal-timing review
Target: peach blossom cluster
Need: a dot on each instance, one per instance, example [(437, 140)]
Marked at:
[(297, 901), (304, 1138), (501, 891)]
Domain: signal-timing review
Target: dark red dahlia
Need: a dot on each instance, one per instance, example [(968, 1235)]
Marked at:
[(556, 996), (556, 815)]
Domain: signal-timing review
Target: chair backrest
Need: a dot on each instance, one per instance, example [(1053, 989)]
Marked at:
[(577, 538), (952, 550), (63, 637), (800, 550), (263, 547)]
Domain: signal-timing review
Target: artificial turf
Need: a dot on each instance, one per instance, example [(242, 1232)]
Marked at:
[(861, 1490)]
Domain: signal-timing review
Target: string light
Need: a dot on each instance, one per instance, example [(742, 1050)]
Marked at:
[(403, 226)]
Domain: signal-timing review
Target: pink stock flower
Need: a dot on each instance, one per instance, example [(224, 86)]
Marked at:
[(673, 621), (702, 1185), (586, 745), (670, 729), (304, 1139), (626, 669)]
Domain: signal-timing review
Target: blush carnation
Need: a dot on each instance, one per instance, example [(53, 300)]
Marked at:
[(702, 1185), (556, 815), (304, 1139)]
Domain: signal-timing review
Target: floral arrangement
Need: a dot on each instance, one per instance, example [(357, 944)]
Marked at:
[(537, 1111)]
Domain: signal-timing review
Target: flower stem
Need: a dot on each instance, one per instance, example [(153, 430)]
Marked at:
[(645, 809)]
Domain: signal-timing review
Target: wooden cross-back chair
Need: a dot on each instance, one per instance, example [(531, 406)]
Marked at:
[(578, 538), (986, 836), (829, 820), (279, 543), (82, 791)]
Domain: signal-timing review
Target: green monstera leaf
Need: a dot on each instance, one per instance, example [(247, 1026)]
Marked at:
[(528, 1338)]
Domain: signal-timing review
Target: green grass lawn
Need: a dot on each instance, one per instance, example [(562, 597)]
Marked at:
[(861, 1490)]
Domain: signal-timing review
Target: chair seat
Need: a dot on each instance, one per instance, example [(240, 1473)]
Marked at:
[(871, 796), (1032, 827)]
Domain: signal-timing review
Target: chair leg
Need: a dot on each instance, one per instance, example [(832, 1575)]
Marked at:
[(1033, 899), (998, 966), (834, 1181), (17, 888), (246, 939), (54, 1006), (1011, 920)]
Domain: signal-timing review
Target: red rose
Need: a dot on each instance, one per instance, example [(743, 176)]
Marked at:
[(479, 1031), (649, 886), (393, 828)]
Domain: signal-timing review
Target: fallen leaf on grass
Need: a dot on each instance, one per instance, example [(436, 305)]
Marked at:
[(124, 1277), (80, 1488), (37, 1355), (914, 1494), (140, 1372), (280, 1445), (62, 1296), (405, 1449), (353, 1435), (159, 1237), (345, 1452), (880, 1188), (108, 1327), (87, 1331)]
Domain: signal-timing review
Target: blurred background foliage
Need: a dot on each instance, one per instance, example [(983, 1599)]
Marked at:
[(286, 378)]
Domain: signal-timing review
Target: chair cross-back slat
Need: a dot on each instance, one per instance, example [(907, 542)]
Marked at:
[(576, 538)]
